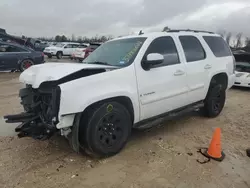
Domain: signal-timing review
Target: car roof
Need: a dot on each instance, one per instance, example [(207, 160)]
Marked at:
[(15, 44), (170, 33)]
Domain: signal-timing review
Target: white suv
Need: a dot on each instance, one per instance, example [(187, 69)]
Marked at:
[(129, 82), (61, 49)]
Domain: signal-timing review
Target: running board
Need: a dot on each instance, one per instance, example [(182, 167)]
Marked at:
[(149, 123)]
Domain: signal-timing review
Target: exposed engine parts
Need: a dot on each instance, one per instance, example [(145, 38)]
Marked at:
[(40, 118)]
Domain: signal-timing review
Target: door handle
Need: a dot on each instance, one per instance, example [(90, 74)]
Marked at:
[(207, 66), (179, 73)]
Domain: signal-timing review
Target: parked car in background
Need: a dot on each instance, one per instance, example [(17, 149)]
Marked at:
[(241, 56), (61, 49), (79, 52), (92, 47), (242, 74), (16, 57)]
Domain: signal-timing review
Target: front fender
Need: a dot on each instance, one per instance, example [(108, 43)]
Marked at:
[(78, 94)]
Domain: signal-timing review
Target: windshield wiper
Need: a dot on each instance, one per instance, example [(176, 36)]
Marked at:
[(98, 63)]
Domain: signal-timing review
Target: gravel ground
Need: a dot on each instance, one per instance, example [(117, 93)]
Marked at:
[(161, 157)]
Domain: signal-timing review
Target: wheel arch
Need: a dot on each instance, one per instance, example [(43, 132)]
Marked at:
[(124, 100), (59, 51), (21, 60), (221, 78), (81, 116)]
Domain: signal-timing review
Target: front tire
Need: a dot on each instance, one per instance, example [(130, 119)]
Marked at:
[(105, 129), (215, 101), (59, 55)]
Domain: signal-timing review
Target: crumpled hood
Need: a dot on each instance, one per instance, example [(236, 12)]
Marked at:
[(37, 74)]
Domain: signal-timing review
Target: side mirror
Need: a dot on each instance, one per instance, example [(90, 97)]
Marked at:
[(152, 59), (65, 47)]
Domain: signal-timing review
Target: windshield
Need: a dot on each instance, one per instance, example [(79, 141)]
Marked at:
[(60, 45), (116, 53)]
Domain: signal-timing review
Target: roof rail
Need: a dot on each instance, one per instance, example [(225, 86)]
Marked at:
[(189, 30)]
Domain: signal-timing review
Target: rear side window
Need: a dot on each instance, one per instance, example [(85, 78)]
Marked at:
[(94, 46), (10, 48), (192, 48), (82, 46), (166, 47), (218, 46)]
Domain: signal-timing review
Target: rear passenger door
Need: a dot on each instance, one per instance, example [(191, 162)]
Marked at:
[(67, 49), (198, 67), (163, 88)]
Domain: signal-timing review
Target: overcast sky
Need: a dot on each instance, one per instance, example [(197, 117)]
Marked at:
[(119, 17)]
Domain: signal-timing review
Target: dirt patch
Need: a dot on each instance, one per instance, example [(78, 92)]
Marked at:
[(162, 157)]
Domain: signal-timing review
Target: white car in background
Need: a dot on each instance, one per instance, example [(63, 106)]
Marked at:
[(61, 49), (79, 52), (242, 74)]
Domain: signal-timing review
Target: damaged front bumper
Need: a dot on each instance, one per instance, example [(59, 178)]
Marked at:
[(41, 108), (31, 126)]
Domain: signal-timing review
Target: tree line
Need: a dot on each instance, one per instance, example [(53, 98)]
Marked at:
[(237, 41), (73, 38)]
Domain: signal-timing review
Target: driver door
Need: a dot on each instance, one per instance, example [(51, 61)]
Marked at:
[(163, 88)]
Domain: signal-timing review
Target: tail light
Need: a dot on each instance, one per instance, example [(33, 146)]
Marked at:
[(42, 54), (87, 51)]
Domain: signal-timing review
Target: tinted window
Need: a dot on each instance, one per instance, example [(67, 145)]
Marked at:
[(166, 47), (75, 45), (94, 46), (82, 46), (10, 48), (218, 46), (192, 48), (68, 46)]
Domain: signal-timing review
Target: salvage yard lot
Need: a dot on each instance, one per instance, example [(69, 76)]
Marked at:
[(161, 157)]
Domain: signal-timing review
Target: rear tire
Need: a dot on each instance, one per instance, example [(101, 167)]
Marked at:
[(105, 129), (59, 55), (215, 101), (25, 64), (49, 56)]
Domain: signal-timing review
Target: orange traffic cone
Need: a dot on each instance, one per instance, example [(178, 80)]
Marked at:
[(214, 150)]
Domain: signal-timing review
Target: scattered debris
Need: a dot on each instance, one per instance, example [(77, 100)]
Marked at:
[(190, 154), (152, 153), (248, 152), (61, 166)]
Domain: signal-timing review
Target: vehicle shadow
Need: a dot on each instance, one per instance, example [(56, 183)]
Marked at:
[(166, 127), (244, 89)]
